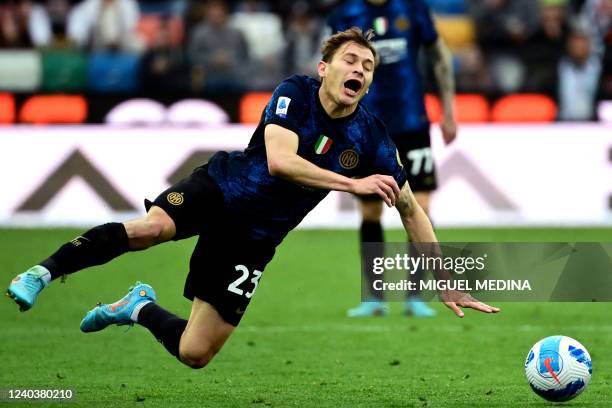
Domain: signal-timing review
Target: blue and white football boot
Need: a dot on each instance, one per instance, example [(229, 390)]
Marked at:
[(25, 287), (122, 312)]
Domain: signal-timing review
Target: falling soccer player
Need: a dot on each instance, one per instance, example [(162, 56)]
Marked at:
[(314, 136)]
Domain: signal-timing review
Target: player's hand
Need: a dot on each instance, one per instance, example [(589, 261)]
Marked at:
[(456, 300), (383, 186), (449, 129)]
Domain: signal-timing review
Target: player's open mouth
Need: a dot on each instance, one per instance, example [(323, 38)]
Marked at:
[(352, 87)]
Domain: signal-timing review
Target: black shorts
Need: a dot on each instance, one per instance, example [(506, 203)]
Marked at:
[(226, 264), (415, 152)]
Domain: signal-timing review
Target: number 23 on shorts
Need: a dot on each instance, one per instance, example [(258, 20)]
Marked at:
[(233, 287)]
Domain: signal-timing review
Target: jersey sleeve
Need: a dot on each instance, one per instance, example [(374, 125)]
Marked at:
[(425, 23), (288, 106), (386, 157)]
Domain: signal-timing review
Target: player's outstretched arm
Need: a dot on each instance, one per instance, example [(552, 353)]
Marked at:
[(441, 59), (283, 161), (419, 228)]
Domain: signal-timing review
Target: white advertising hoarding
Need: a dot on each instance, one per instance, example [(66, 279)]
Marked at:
[(492, 175)]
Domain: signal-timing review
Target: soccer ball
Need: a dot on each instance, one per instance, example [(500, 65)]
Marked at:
[(558, 368)]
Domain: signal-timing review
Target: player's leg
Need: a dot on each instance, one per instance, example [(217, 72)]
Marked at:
[(96, 246), (423, 199), (105, 242), (175, 214), (415, 306), (415, 151), (194, 341), (224, 272), (204, 335), (371, 230), (155, 228)]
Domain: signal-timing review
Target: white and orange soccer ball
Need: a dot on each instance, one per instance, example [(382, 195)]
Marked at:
[(558, 368)]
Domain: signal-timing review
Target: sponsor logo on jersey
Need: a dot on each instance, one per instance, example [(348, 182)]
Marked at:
[(391, 50), (175, 198), (282, 106), (349, 159)]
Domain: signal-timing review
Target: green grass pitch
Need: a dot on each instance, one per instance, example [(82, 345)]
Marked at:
[(295, 347)]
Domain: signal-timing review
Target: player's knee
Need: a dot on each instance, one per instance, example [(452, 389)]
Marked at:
[(196, 359), (143, 232), (147, 232), (153, 230)]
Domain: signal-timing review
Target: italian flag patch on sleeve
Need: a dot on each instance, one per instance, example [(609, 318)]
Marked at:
[(323, 144)]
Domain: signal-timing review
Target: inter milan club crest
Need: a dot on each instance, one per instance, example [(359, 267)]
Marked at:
[(402, 23), (323, 144), (175, 198), (381, 25), (349, 159)]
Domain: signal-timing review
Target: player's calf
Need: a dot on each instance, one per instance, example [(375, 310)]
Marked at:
[(94, 247)]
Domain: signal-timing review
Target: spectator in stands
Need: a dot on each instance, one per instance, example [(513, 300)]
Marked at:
[(263, 32), (502, 27), (194, 14), (304, 38), (546, 46), (105, 25), (218, 53), (578, 77), (24, 24), (576, 6), (471, 73), (58, 15), (163, 63), (598, 14), (598, 17)]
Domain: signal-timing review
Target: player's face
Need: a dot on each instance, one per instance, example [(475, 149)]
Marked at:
[(348, 75)]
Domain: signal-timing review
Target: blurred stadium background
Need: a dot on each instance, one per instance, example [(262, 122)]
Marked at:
[(106, 102), (151, 88)]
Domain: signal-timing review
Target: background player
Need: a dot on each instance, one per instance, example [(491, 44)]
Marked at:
[(243, 204), (396, 96)]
